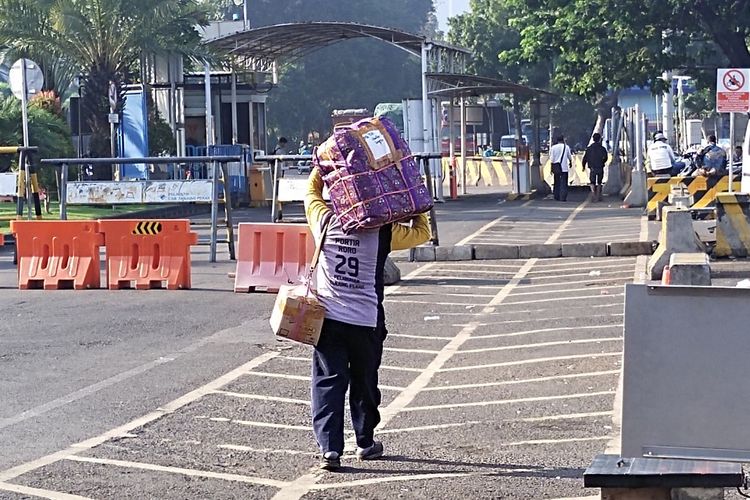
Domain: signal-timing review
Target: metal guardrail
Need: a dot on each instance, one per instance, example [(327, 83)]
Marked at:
[(216, 160)]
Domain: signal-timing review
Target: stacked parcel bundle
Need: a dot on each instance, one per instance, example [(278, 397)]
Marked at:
[(371, 176)]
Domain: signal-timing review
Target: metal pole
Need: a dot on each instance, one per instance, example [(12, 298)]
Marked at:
[(638, 139), (244, 14), (668, 110), (64, 191), (463, 145), (426, 113), (451, 147), (234, 107), (209, 142), (731, 151), (275, 190), (25, 118)]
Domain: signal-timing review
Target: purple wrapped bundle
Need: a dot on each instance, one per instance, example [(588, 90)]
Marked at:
[(371, 176)]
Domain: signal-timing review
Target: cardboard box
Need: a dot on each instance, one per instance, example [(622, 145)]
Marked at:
[(297, 316)]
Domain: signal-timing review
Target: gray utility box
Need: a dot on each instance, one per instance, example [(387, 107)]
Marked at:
[(685, 373)]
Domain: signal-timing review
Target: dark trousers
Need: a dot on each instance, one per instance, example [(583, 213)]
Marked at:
[(347, 356), (560, 188)]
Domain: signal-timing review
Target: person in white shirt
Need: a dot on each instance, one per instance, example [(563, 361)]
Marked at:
[(661, 158), (560, 156)]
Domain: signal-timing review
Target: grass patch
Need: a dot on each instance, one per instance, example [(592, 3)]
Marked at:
[(75, 212)]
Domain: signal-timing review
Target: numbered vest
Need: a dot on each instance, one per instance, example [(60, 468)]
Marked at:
[(346, 276)]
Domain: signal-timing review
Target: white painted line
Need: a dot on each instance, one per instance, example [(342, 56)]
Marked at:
[(426, 427), (249, 449), (570, 416), (280, 375), (544, 330), (261, 397), (171, 407), (236, 478), (522, 381), (562, 299), (405, 280), (559, 231), (480, 231), (267, 425), (577, 262), (643, 236), (441, 294), (510, 401), (545, 320), (450, 304), (566, 290), (108, 382), (461, 264), (414, 351), (556, 441), (298, 488), (38, 492), (626, 270), (541, 344), (580, 282), (595, 497), (423, 337), (389, 479), (532, 361), (384, 367)]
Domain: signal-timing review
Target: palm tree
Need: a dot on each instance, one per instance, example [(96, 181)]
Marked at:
[(104, 40)]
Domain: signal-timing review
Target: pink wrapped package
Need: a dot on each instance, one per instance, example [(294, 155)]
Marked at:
[(371, 176)]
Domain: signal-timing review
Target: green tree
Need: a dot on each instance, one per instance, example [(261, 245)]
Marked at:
[(351, 74), (102, 39)]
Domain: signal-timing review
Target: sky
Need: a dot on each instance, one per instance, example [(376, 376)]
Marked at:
[(449, 8)]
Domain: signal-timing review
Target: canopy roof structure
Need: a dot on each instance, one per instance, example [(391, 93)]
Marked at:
[(463, 85), (260, 47)]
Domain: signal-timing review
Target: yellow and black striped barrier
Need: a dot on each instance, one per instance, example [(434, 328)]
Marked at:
[(732, 225), (147, 227), (702, 189)]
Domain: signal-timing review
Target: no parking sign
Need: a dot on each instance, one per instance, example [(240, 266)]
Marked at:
[(733, 90)]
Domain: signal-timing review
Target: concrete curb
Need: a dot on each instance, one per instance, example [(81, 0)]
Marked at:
[(538, 251)]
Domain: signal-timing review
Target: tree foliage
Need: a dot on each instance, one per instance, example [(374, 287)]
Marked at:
[(103, 40), (351, 74)]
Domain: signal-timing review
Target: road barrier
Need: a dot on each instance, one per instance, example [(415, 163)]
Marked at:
[(54, 255), (271, 255), (732, 225), (148, 254), (677, 236), (702, 189)]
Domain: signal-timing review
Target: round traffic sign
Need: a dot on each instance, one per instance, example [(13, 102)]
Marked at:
[(34, 78), (734, 80)]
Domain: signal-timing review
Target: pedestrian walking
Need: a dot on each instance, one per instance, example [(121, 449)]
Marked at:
[(350, 286), (595, 158), (560, 157)]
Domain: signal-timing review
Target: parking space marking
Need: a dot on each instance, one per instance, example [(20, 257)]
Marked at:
[(260, 397), (522, 381), (171, 407), (566, 290), (545, 320), (249, 449), (619, 270), (385, 367), (303, 378), (570, 416), (305, 483), (236, 478), (426, 427), (252, 423), (562, 299), (390, 479), (421, 337), (414, 351), (579, 282), (559, 231), (535, 311), (450, 304), (576, 263), (41, 493), (556, 441), (389, 290), (545, 330), (498, 402), (443, 294), (480, 231), (531, 361), (540, 344)]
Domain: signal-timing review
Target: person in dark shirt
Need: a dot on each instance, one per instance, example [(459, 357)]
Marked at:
[(595, 157)]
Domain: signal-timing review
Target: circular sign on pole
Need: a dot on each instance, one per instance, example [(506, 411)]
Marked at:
[(112, 96), (34, 78), (734, 80)]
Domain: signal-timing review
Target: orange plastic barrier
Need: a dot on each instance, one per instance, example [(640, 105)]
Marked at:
[(272, 255), (55, 255), (148, 254)]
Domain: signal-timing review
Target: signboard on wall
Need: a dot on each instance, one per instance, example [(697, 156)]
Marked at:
[(115, 193), (8, 181), (733, 90)]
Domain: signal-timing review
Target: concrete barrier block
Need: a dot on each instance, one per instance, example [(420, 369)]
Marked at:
[(584, 249), (540, 251), (691, 269), (492, 252), (629, 248), (454, 253), (424, 254), (677, 236)]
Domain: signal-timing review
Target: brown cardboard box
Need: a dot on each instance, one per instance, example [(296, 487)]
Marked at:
[(296, 316)]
